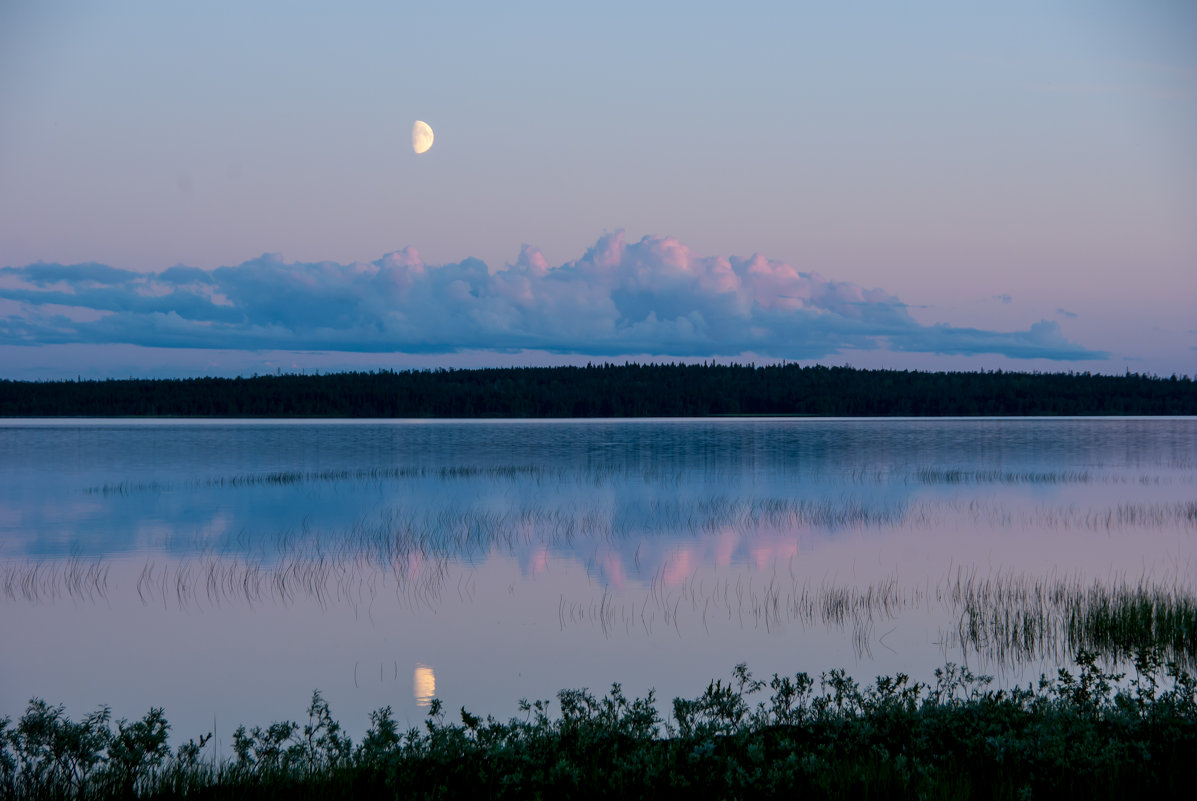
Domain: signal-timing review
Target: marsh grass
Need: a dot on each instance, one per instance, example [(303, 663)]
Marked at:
[(1123, 620), (1088, 732), (76, 579), (1011, 619), (1001, 619), (595, 475), (602, 474), (932, 476), (292, 477)]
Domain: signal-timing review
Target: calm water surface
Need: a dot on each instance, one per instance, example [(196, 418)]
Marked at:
[(225, 569)]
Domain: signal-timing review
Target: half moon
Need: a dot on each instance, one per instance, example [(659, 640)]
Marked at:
[(421, 137)]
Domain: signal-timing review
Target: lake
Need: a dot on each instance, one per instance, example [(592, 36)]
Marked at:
[(224, 569)]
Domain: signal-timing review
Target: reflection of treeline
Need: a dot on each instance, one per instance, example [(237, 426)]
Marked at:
[(629, 390), (1092, 734)]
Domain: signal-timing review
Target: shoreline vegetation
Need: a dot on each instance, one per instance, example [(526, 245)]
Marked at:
[(1090, 732), (610, 390)]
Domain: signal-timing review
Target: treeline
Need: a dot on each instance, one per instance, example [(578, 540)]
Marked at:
[(628, 390)]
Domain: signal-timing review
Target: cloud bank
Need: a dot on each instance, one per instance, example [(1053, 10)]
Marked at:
[(654, 296)]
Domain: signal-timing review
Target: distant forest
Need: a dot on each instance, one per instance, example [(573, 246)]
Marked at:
[(628, 390)]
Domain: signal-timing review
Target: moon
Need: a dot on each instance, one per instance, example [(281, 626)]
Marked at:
[(421, 137)]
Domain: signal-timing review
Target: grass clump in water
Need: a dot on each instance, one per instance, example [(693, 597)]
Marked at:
[(1085, 734), (1121, 622)]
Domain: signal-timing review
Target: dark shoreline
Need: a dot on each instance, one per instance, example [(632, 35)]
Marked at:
[(1083, 734), (609, 390)]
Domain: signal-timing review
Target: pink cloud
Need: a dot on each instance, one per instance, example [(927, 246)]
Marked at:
[(679, 566), (655, 296)]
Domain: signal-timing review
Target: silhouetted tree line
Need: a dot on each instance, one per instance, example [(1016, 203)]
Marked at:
[(608, 390)]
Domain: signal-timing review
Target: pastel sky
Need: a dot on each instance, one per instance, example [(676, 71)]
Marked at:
[(224, 188)]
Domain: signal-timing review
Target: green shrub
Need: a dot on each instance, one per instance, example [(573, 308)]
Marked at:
[(1082, 733)]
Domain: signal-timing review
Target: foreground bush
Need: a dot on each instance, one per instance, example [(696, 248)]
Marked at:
[(1091, 734)]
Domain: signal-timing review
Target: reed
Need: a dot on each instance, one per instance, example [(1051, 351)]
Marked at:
[(933, 476), (1012, 619), (1001, 618), (599, 474), (291, 477)]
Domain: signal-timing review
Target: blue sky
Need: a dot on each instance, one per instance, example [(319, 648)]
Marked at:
[(923, 185)]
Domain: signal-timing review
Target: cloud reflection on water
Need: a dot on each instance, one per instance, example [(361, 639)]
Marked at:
[(651, 546)]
